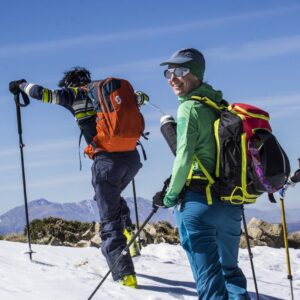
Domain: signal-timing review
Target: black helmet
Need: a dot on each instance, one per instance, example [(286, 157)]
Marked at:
[(75, 77)]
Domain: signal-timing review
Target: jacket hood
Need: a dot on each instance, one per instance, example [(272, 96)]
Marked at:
[(203, 90)]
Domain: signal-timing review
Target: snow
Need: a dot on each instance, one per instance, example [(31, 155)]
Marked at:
[(163, 272)]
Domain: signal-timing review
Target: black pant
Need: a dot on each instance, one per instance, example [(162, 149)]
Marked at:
[(111, 173)]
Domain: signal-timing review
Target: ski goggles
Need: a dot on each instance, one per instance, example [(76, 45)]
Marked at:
[(177, 72)]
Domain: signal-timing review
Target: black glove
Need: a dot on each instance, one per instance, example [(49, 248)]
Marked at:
[(14, 86), (159, 196), (158, 199)]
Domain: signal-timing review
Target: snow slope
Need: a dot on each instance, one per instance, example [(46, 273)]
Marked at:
[(63, 273)]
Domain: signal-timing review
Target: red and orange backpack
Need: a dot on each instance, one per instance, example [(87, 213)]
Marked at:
[(119, 122)]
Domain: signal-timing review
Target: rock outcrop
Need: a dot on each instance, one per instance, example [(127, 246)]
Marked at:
[(263, 234), (294, 239), (59, 232)]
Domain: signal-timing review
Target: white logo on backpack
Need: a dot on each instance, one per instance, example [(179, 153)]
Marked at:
[(118, 99)]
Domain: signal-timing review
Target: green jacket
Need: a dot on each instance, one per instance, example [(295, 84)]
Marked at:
[(194, 136)]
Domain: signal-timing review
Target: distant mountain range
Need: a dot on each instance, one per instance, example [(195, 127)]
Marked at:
[(14, 220)]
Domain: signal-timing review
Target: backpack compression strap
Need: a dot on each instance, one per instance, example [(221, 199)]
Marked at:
[(239, 111), (207, 178)]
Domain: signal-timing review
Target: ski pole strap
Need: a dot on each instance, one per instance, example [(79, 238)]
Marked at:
[(207, 177), (145, 135), (271, 198), (143, 149), (24, 97)]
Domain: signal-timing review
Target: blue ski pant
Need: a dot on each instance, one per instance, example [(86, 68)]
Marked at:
[(210, 235), (111, 173)]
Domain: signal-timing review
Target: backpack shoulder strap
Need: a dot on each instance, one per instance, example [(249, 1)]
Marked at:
[(208, 102), (218, 107)]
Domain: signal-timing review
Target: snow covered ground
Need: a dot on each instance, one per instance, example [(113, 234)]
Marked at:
[(63, 273)]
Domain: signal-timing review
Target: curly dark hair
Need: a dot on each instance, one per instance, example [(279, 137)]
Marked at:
[(75, 77)]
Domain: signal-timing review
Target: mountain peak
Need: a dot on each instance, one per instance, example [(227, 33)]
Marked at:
[(14, 220), (40, 202)]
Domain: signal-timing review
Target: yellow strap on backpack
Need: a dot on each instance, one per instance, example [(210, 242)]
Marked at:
[(217, 107), (207, 176), (209, 102), (82, 115)]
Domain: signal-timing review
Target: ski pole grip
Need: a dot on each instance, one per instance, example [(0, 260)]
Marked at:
[(168, 130)]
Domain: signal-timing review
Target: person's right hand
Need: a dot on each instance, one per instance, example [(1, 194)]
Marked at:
[(14, 86)]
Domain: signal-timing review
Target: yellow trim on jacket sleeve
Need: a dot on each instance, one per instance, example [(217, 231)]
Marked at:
[(45, 96)]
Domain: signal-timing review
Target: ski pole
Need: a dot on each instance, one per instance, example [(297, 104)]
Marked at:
[(125, 251), (21, 145), (286, 245), (155, 107), (290, 182), (136, 212), (250, 252)]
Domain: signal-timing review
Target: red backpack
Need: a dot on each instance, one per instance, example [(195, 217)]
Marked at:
[(250, 160), (119, 121)]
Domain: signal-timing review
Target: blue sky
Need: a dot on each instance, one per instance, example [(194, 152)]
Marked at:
[(252, 50)]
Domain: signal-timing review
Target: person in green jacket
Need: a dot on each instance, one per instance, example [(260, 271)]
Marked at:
[(209, 230)]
